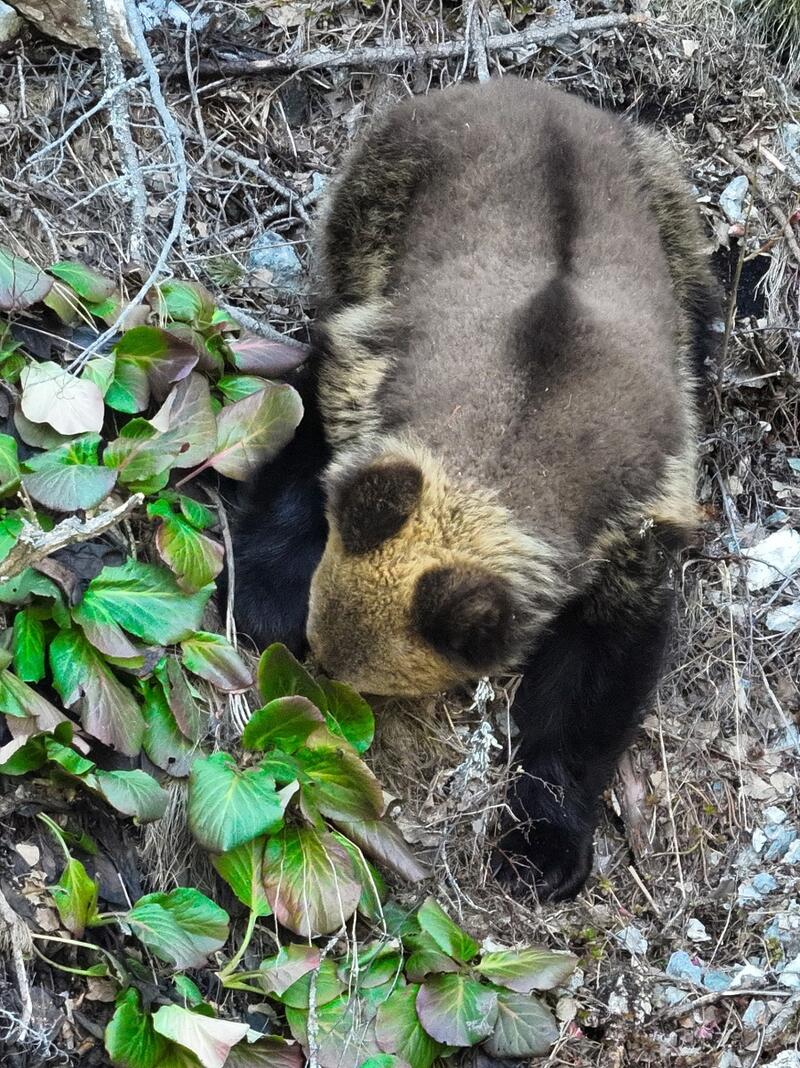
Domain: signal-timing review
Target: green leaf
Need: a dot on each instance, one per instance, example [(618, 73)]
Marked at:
[(163, 741), (181, 927), (187, 418), (21, 283), (399, 1030), (10, 530), (227, 806), (29, 646), (68, 478), (237, 387), (186, 302), (129, 391), (188, 990), (281, 972), (524, 970), (29, 584), (101, 371), (309, 881), (75, 896), (197, 514), (70, 405), (327, 983), (145, 600), (447, 935), (133, 793), (66, 757), (140, 452), (341, 786), (213, 658), (181, 698), (130, 1039), (345, 1031), (29, 757), (163, 357), (18, 699), (194, 558), (210, 1039), (108, 709), (427, 959), (282, 675), (241, 868), (524, 1028), (86, 281), (348, 714), (456, 1010), (9, 465), (382, 1060), (255, 429), (284, 723)]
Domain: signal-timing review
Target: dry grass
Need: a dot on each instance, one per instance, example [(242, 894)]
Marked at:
[(717, 749)]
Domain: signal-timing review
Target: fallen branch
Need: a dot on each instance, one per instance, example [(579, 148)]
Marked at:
[(35, 544), (370, 57), (15, 936)]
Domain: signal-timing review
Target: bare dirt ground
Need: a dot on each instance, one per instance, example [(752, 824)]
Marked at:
[(689, 932)]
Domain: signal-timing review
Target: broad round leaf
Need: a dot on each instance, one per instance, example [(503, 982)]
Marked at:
[(186, 302), (213, 658), (21, 283), (399, 1031), (345, 1032), (291, 963), (75, 895), (181, 927), (194, 558), (140, 452), (284, 723), (267, 1052), (236, 387), (164, 357), (210, 1040), (341, 786), (524, 970), (187, 419), (68, 404), (227, 806), (255, 429), (28, 646), (280, 674), (242, 870), (130, 1039), (109, 711), (163, 741), (309, 881), (133, 793), (524, 1028), (85, 281), (145, 600), (382, 841), (327, 985), (447, 935), (348, 714), (129, 391), (68, 478), (456, 1010), (265, 356), (9, 465)]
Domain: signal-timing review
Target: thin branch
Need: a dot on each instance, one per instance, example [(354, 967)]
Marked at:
[(34, 544), (371, 57), (116, 92), (17, 937)]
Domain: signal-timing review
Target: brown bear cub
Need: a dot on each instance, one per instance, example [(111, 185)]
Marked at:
[(498, 453)]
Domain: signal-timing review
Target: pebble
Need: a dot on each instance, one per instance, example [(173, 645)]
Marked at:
[(274, 253), (681, 966), (755, 1015), (731, 199)]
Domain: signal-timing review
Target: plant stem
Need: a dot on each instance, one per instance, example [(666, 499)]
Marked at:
[(122, 975), (248, 934)]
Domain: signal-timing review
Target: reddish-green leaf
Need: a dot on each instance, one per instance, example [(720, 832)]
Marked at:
[(186, 302), (345, 1031), (75, 896), (162, 356), (208, 1038), (181, 927), (524, 1028), (237, 387), (133, 793), (290, 964), (456, 1010), (341, 786), (21, 283), (265, 356), (163, 742), (194, 558), (447, 935), (242, 870), (382, 841), (213, 658), (68, 478), (524, 970), (85, 281), (255, 429), (309, 881), (348, 714), (267, 1052), (187, 419), (140, 452), (399, 1030), (284, 723)]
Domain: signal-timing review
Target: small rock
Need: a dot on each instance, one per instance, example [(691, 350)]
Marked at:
[(10, 22), (789, 1058), (790, 976), (784, 619), (755, 1015), (716, 980), (674, 995), (632, 939), (764, 883), (759, 839), (681, 966), (273, 252), (789, 134), (776, 558), (746, 975), (781, 843), (774, 815), (696, 931), (792, 855), (566, 1009), (29, 852), (729, 1059), (731, 199)]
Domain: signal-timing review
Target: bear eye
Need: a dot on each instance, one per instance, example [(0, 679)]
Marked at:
[(371, 504)]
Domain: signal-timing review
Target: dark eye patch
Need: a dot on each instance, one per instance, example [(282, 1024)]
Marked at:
[(372, 504)]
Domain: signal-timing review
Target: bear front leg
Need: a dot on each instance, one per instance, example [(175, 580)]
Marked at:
[(578, 704)]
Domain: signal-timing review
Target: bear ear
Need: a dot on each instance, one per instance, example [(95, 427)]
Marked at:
[(371, 504), (466, 613)]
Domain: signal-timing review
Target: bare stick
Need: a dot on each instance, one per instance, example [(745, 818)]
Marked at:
[(120, 121), (17, 938), (34, 544), (370, 57)]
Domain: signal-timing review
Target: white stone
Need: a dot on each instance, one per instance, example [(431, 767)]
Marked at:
[(10, 22)]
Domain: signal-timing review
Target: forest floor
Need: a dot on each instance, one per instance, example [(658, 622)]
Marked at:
[(689, 930)]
